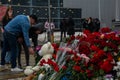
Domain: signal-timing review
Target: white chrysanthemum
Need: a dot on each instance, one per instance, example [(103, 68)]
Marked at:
[(47, 67), (40, 77), (115, 68), (36, 68), (28, 71), (118, 63), (29, 67)]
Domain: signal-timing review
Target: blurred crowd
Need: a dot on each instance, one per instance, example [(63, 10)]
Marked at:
[(92, 24), (67, 26)]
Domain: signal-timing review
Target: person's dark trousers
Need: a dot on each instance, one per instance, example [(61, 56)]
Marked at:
[(35, 40), (62, 33), (26, 53), (61, 36), (10, 41), (49, 36), (1, 44)]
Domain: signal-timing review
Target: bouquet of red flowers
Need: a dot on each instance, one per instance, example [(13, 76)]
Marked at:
[(86, 56)]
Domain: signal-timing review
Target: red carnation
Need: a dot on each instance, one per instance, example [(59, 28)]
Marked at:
[(76, 68), (107, 66), (64, 67), (105, 30), (54, 64), (84, 49), (89, 73), (42, 62), (55, 46), (54, 56), (94, 48)]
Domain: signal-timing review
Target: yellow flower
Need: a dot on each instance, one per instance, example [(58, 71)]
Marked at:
[(119, 59)]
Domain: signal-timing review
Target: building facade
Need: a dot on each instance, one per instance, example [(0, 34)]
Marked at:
[(45, 9), (105, 10)]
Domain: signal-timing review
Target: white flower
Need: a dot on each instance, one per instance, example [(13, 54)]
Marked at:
[(29, 67), (36, 68), (115, 68), (118, 74), (28, 71), (40, 77), (47, 67), (118, 63)]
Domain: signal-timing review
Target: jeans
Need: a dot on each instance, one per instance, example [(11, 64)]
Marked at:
[(8, 57), (8, 54), (10, 42)]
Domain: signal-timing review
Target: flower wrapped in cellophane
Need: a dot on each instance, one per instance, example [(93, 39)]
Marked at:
[(86, 56)]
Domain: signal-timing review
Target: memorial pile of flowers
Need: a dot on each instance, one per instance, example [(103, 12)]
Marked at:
[(86, 56)]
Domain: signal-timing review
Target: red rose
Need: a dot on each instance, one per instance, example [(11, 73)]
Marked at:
[(94, 48), (89, 73), (105, 30), (54, 56), (64, 67), (84, 49), (76, 68), (42, 62), (106, 66)]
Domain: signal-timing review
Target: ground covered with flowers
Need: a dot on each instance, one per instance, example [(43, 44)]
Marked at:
[(88, 56)]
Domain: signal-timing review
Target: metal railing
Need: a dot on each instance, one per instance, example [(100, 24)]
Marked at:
[(49, 12)]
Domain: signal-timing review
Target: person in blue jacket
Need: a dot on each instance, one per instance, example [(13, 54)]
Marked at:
[(17, 26)]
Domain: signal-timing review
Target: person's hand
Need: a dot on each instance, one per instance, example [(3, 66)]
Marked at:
[(31, 50), (2, 30)]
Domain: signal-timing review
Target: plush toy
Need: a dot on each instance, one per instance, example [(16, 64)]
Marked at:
[(46, 52)]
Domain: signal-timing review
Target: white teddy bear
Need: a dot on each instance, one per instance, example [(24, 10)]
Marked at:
[(46, 51)]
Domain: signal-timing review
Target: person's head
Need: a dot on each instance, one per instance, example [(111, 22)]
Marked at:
[(39, 28), (33, 19), (9, 12), (90, 18)]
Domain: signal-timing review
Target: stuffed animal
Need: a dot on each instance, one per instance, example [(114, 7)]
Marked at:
[(46, 52)]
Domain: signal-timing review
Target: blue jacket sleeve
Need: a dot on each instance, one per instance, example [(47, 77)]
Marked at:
[(25, 30)]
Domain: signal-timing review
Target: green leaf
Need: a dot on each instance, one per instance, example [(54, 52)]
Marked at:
[(105, 48)]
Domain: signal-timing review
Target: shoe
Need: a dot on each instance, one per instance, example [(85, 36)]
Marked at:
[(20, 67), (3, 67), (16, 69)]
